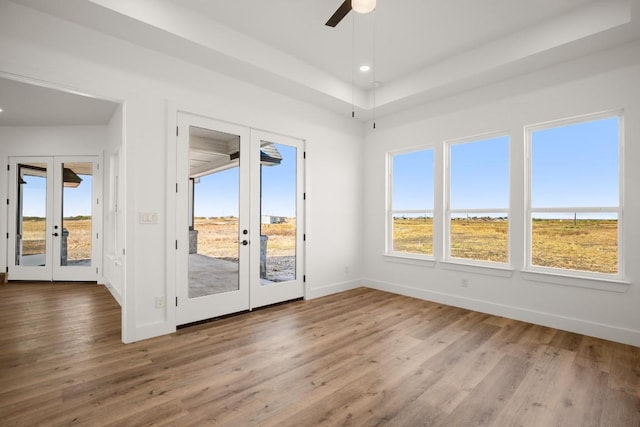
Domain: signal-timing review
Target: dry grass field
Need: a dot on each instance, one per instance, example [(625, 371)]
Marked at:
[(218, 237), (78, 240), (471, 239), (485, 240), (590, 245)]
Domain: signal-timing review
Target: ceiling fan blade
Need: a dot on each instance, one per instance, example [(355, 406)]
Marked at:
[(339, 14)]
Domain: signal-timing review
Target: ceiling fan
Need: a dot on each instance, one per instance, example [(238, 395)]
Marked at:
[(360, 6)]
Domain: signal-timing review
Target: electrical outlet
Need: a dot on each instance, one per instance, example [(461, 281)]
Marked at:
[(160, 302), (464, 282), (346, 270)]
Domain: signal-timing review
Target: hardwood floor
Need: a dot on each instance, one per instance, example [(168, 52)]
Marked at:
[(361, 357)]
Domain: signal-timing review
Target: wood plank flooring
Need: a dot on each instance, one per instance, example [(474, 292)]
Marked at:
[(361, 358)]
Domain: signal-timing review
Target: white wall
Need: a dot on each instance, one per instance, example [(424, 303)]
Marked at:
[(605, 81), (41, 47), (52, 140)]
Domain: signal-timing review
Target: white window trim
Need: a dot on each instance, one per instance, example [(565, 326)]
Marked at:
[(456, 263), (389, 212), (586, 279)]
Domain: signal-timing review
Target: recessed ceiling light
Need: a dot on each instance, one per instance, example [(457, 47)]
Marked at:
[(365, 68), (0, 110)]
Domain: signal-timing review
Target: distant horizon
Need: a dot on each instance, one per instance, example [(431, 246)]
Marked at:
[(504, 218), (573, 166), (77, 200), (216, 195)]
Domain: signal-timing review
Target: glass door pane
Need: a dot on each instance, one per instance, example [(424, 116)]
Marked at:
[(76, 216), (277, 273), (31, 215), (212, 218), (278, 222), (29, 222), (214, 209)]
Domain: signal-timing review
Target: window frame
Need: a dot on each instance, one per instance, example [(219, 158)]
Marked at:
[(390, 212), (529, 267), (448, 212)]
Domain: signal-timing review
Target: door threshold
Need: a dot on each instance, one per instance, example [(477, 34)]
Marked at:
[(53, 282), (226, 316)]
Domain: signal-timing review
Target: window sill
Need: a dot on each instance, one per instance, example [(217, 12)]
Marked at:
[(609, 285), (489, 270), (410, 259)]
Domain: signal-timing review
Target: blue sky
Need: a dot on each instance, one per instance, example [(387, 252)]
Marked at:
[(217, 194), (480, 174), (480, 165), (413, 180), (34, 196), (576, 165), (77, 201), (572, 166)]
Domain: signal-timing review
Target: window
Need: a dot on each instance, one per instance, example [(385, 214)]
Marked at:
[(410, 206), (574, 208), (477, 217)]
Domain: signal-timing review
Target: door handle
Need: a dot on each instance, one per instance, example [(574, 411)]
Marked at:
[(55, 234), (245, 242)]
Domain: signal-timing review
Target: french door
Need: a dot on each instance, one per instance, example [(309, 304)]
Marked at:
[(278, 199), (239, 219), (53, 218)]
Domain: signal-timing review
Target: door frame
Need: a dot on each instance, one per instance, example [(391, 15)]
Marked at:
[(175, 222), (53, 271)]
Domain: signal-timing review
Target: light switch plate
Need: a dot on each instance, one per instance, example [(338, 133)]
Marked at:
[(148, 218)]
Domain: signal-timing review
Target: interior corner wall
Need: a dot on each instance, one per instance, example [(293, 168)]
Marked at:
[(113, 195), (609, 80), (40, 47)]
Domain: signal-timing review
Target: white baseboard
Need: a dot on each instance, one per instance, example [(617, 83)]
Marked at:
[(116, 295), (333, 288), (150, 330), (580, 326)]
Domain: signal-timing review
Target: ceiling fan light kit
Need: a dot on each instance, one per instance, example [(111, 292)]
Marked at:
[(363, 6), (360, 6)]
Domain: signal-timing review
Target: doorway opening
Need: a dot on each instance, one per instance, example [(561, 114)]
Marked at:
[(53, 216), (56, 220)]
